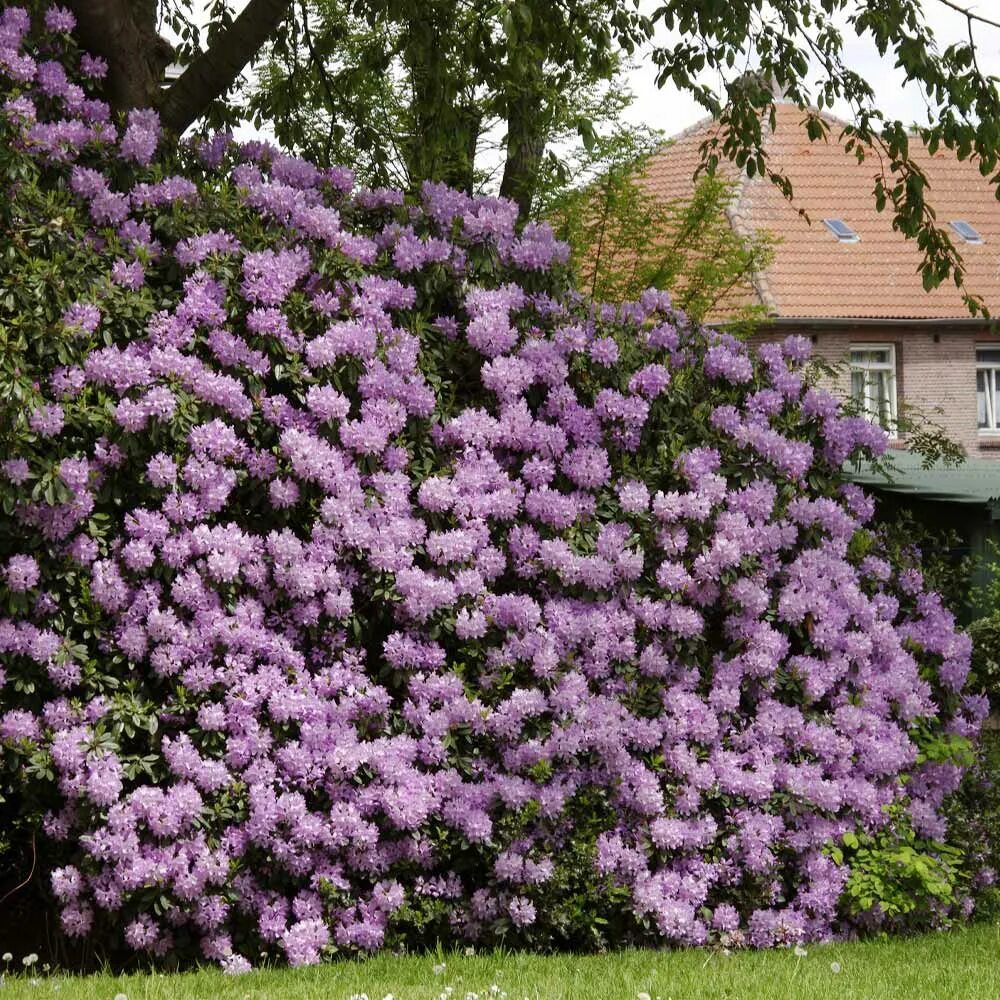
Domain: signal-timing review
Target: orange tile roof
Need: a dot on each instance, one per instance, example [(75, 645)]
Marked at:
[(814, 275)]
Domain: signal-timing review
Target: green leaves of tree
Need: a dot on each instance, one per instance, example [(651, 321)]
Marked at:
[(783, 39), (472, 93)]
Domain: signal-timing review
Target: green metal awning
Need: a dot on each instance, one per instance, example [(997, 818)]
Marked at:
[(975, 481)]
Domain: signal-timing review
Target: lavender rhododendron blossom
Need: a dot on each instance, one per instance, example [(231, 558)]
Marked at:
[(361, 581)]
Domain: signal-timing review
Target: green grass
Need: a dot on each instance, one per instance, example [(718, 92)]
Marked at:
[(960, 965)]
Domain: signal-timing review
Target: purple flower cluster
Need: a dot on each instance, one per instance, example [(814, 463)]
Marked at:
[(407, 591)]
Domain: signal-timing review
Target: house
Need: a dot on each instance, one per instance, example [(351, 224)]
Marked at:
[(844, 278)]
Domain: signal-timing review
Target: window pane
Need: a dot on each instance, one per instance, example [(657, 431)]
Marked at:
[(988, 356), (885, 414), (981, 399), (873, 383), (858, 388), (864, 357)]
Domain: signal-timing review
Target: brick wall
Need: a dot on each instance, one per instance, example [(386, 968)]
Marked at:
[(935, 369)]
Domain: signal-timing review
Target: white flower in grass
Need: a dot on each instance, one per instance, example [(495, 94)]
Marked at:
[(236, 965), (800, 952), (835, 967), (121, 996), (643, 996), (8, 957), (29, 960), (439, 969)]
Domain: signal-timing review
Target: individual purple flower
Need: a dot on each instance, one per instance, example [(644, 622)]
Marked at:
[(633, 497), (22, 573), (268, 277), (47, 420), (16, 470), (141, 137), (604, 351), (522, 912), (82, 317), (93, 67), (283, 493), (59, 19), (128, 275), (304, 942), (161, 470)]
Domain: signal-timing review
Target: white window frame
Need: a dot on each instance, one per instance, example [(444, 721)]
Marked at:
[(991, 379), (868, 404)]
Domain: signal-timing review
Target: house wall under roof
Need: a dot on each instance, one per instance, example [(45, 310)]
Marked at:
[(866, 288), (935, 370)]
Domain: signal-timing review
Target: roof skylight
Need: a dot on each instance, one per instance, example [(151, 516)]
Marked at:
[(967, 232), (841, 230)]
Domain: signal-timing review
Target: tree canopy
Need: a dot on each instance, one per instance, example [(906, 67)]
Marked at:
[(408, 93)]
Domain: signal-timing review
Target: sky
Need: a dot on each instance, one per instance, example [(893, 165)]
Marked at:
[(672, 111)]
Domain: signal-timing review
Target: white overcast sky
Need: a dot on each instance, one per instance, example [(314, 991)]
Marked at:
[(671, 111)]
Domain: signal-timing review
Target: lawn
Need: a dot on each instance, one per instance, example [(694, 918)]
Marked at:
[(961, 965)]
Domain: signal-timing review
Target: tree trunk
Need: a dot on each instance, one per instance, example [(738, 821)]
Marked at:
[(446, 120), (123, 33), (525, 144), (214, 71)]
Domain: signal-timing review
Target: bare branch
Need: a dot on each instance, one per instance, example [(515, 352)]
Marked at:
[(970, 14), (21, 885)]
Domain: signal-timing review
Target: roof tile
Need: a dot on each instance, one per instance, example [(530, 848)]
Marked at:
[(814, 275)]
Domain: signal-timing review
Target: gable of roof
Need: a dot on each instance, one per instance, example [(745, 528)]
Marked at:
[(813, 275)]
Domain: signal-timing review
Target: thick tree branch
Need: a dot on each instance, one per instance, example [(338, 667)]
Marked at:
[(214, 71)]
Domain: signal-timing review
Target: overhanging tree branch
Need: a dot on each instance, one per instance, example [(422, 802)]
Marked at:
[(215, 70)]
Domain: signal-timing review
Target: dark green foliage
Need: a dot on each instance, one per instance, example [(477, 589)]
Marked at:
[(985, 633), (975, 819)]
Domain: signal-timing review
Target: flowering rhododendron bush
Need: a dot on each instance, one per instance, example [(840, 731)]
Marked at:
[(363, 585)]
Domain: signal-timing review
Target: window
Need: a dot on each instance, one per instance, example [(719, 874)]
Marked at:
[(967, 232), (873, 383), (988, 389), (841, 230)]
